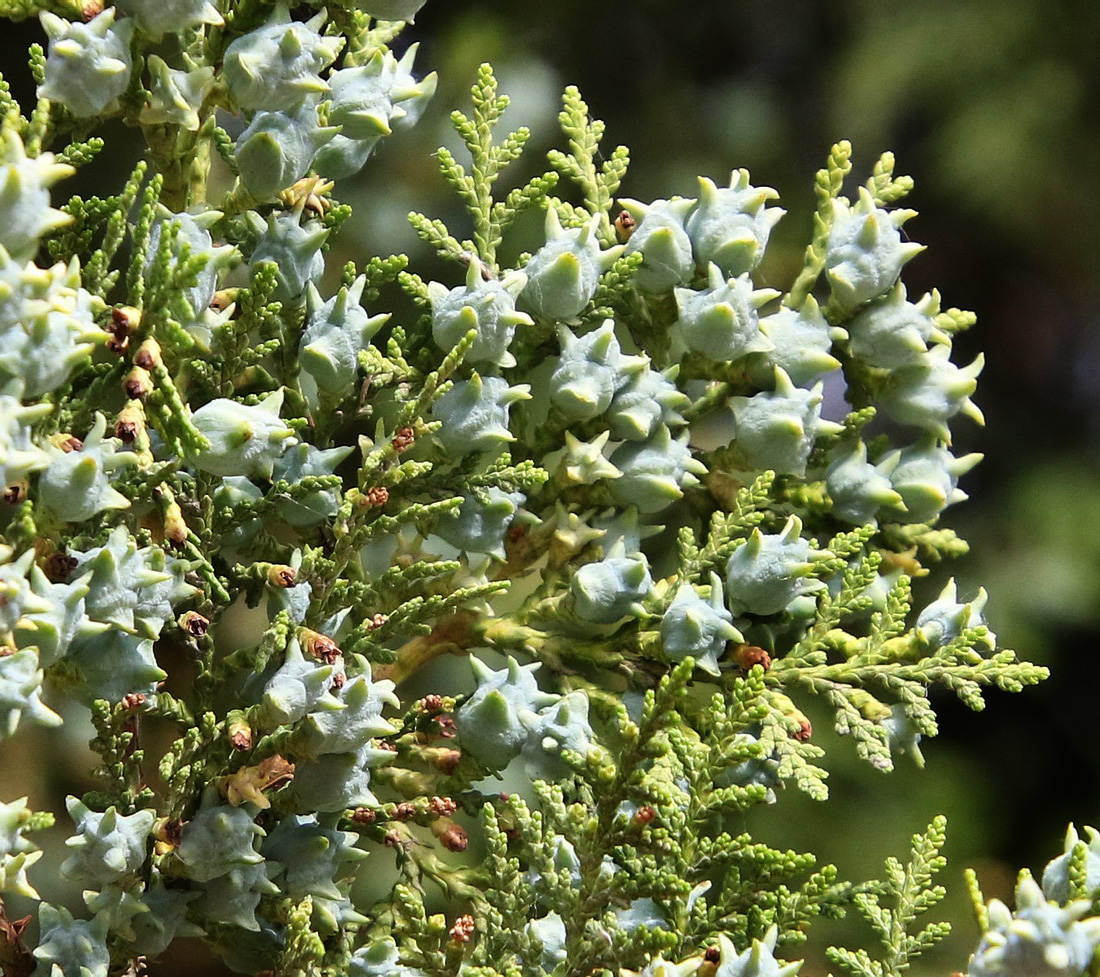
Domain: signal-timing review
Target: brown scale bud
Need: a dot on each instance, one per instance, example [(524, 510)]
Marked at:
[(405, 811), (748, 655), (15, 493), (395, 839), (644, 815), (403, 438), (445, 760), (175, 526), (712, 954), (138, 384), (169, 830), (805, 730), (90, 9), (363, 815), (281, 575), (148, 355), (385, 745), (66, 442), (442, 806), (223, 299), (430, 703), (124, 320), (130, 422), (453, 836), (316, 204), (319, 645), (376, 621), (624, 225), (310, 192), (377, 496), (133, 701), (446, 727), (339, 680), (58, 566), (463, 929), (194, 624), (239, 730)]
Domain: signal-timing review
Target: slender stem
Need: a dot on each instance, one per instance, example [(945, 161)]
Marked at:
[(453, 635)]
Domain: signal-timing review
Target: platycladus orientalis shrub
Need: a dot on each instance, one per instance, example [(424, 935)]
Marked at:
[(614, 479)]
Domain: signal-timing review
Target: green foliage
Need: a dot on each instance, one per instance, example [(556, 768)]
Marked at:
[(547, 469), (908, 892)]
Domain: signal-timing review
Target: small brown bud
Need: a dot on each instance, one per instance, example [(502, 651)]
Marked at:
[(446, 727), (395, 839), (223, 299), (240, 737), (339, 680), (463, 929), (58, 566), (644, 815), (118, 344), (175, 526), (430, 703), (516, 533), (403, 438), (309, 192), (363, 815), (442, 806), (446, 760), (148, 355), (805, 730), (194, 624), (281, 575), (90, 9), (624, 225), (124, 320), (133, 701), (15, 493), (405, 811), (130, 422), (66, 442), (453, 837), (169, 830), (376, 621), (138, 384), (318, 645), (377, 496), (385, 745), (748, 655), (712, 954)]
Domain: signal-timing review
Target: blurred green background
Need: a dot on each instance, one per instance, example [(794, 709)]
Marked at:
[(993, 106)]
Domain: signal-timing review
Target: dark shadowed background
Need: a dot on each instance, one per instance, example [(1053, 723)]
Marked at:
[(993, 106)]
